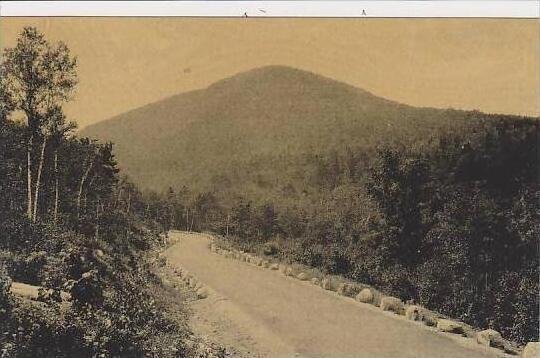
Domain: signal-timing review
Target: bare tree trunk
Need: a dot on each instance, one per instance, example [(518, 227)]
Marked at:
[(192, 219), (117, 198), (128, 203), (38, 179), (29, 176), (227, 228), (56, 187), (97, 219), (81, 186)]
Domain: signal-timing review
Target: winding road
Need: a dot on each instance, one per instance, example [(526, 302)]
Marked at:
[(266, 314)]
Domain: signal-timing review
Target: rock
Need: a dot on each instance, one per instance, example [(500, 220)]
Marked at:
[(302, 276), (392, 304), (429, 318), (449, 326), (274, 267), (98, 253), (192, 282), (414, 313), (315, 281), (490, 338), (365, 296), (289, 271), (265, 264), (327, 284), (202, 293), (347, 289), (531, 350), (88, 274)]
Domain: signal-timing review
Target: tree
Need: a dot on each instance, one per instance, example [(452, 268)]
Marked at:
[(37, 77), (57, 129)]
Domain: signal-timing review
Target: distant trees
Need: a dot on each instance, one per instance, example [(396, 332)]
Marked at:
[(451, 223)]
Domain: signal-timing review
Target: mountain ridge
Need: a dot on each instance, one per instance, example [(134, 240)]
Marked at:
[(257, 123)]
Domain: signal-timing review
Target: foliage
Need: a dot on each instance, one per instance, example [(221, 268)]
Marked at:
[(450, 222), (90, 235)]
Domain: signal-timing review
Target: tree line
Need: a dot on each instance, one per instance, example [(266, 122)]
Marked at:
[(451, 223)]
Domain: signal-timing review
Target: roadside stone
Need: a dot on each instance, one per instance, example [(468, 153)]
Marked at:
[(327, 284), (490, 338), (392, 304), (413, 313), (289, 271), (449, 326), (365, 296), (192, 282), (531, 350), (202, 293), (302, 276)]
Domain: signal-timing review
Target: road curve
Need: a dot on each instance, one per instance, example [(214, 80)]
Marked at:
[(293, 318)]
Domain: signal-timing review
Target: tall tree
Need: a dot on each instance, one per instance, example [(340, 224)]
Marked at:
[(37, 77)]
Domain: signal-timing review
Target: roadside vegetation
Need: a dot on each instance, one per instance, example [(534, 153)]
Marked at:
[(450, 222), (70, 223)]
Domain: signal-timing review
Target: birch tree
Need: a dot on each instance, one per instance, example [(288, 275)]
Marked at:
[(37, 76)]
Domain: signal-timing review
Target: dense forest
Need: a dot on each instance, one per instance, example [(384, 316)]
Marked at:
[(435, 206), (68, 223), (450, 222)]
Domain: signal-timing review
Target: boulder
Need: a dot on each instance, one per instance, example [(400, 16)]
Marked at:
[(392, 304), (274, 267), (490, 338), (531, 350), (202, 293), (449, 326), (414, 313), (429, 318), (302, 276), (347, 289), (192, 282), (365, 296), (289, 271), (327, 284)]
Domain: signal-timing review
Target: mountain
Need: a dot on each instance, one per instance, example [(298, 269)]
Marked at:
[(258, 129)]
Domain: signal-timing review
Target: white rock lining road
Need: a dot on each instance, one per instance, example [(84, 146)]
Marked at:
[(290, 316)]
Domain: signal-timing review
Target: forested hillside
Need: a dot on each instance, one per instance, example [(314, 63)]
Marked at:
[(260, 131), (71, 225), (435, 206)]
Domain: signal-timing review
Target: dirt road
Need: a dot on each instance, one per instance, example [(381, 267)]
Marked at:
[(263, 313)]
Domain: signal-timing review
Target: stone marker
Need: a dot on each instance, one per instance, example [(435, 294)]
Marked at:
[(365, 296), (392, 304), (490, 338), (449, 326)]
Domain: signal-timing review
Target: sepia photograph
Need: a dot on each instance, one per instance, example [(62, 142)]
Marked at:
[(269, 186)]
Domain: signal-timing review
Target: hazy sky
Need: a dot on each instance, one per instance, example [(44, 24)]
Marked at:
[(490, 65)]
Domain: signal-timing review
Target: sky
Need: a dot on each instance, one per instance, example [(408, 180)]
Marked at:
[(123, 63)]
